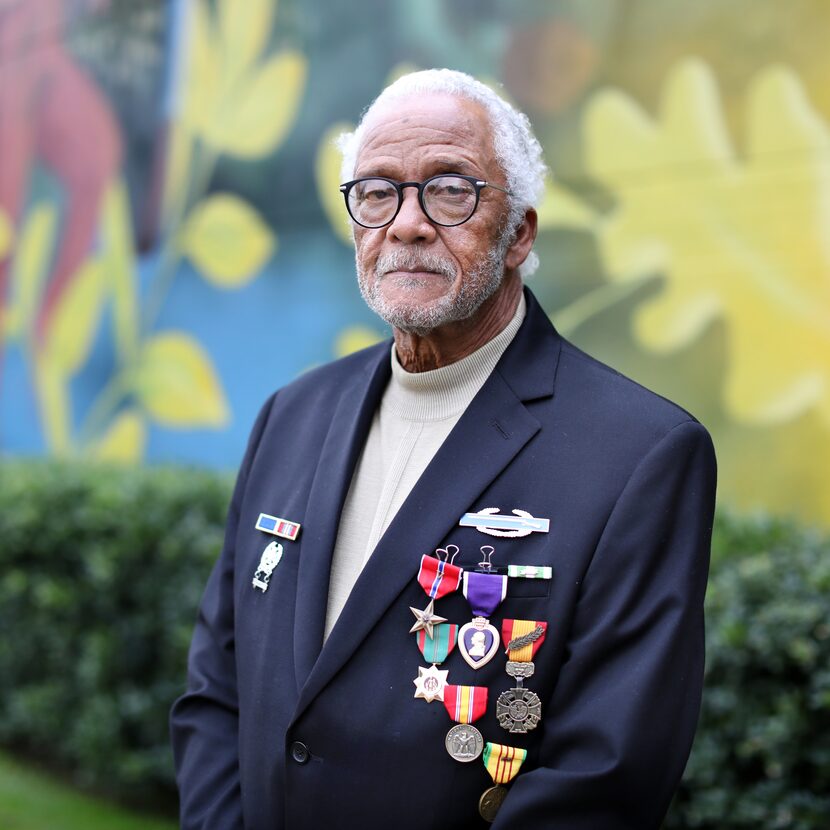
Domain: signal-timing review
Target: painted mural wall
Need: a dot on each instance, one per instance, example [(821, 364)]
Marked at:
[(173, 244)]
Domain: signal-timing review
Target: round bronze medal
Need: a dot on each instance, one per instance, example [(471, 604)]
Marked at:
[(490, 801), (518, 710), (464, 742)]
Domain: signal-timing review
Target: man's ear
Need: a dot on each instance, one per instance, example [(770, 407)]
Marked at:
[(525, 237)]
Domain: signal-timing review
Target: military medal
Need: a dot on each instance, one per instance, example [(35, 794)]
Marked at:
[(430, 683), (503, 763), (478, 641), (438, 577), (425, 620), (518, 709), (435, 647), (267, 562), (464, 704)]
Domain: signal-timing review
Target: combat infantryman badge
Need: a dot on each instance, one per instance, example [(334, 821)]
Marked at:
[(465, 704), (268, 561), (478, 641), (493, 523), (503, 763), (519, 709)]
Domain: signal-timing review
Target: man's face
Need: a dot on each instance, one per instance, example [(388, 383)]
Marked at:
[(417, 275)]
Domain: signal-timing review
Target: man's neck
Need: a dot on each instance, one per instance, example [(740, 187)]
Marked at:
[(454, 341)]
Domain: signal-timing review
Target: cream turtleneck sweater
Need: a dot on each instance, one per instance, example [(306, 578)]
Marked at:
[(417, 412)]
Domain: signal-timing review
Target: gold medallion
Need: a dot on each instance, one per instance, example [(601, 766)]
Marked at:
[(490, 801)]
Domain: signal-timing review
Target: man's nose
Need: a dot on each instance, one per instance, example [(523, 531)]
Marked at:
[(411, 224)]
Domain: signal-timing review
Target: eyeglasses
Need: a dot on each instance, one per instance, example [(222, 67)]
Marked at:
[(446, 200)]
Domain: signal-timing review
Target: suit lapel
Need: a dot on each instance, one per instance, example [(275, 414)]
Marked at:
[(350, 424), (460, 471)]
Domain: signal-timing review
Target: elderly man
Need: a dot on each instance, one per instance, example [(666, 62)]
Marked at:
[(464, 571)]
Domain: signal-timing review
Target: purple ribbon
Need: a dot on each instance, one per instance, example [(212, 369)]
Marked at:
[(484, 592)]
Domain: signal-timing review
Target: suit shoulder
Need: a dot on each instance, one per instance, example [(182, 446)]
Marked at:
[(613, 396)]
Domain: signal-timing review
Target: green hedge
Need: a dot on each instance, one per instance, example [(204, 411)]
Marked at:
[(101, 570)]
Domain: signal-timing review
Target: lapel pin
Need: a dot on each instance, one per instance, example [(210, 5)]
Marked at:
[(493, 523), (278, 527), (267, 562)]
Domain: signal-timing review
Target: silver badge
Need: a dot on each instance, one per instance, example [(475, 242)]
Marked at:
[(518, 710), (464, 742), (267, 562)]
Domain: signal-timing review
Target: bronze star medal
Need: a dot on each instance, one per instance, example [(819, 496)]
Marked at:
[(426, 619)]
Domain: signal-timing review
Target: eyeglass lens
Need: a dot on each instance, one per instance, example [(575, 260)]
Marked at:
[(448, 200)]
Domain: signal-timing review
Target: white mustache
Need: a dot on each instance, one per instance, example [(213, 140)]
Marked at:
[(414, 261)]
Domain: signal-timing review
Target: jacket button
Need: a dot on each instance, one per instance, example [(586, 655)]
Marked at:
[(299, 752)]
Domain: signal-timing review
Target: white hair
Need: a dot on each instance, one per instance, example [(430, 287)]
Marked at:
[(516, 149)]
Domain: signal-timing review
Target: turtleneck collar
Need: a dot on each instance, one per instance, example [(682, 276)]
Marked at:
[(446, 392)]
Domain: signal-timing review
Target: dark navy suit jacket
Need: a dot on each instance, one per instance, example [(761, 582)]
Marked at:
[(277, 730)]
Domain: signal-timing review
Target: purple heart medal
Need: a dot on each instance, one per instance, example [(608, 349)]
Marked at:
[(478, 641)]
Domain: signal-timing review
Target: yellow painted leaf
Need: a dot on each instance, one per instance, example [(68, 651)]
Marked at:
[(118, 261), (6, 234), (33, 257), (561, 208), (76, 319), (124, 440), (227, 240), (254, 122), (177, 174), (244, 28), (177, 385), (742, 239), (354, 338), (327, 175), (54, 406), (201, 76)]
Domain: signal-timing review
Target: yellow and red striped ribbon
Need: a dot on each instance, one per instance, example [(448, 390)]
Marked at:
[(503, 762), (512, 629)]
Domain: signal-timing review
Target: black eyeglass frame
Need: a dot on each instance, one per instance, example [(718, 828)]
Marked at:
[(479, 185)]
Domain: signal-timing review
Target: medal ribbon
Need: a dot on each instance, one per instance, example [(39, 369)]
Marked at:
[(503, 762), (437, 648), (523, 638), (465, 704), (484, 591), (530, 571), (438, 578)]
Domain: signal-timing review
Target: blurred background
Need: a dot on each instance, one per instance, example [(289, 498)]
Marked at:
[(173, 247)]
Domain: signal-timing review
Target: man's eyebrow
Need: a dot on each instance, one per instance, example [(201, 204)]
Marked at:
[(453, 165)]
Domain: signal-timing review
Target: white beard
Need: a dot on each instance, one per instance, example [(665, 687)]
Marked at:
[(415, 317)]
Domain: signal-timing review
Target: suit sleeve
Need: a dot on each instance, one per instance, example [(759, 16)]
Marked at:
[(204, 721), (619, 725)]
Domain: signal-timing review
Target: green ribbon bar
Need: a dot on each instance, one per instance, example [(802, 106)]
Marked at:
[(530, 571)]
